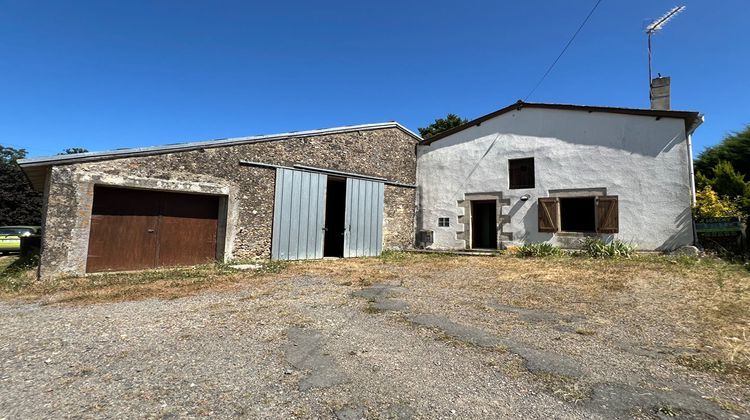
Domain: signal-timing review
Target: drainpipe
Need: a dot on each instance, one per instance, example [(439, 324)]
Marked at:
[(691, 169)]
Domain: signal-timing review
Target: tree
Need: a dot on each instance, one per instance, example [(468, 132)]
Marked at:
[(734, 148), (441, 124), (73, 150), (729, 183), (19, 203)]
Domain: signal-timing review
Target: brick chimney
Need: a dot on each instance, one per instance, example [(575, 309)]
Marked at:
[(660, 93)]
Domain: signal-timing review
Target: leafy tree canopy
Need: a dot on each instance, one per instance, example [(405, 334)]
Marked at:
[(9, 155), (19, 203), (73, 150), (729, 183), (735, 149), (441, 124)]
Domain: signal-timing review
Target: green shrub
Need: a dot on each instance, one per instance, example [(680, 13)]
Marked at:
[(596, 248), (538, 250)]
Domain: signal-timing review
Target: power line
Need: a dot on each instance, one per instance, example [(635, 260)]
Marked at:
[(563, 50)]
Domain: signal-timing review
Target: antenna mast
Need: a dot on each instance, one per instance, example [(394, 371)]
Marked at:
[(654, 27)]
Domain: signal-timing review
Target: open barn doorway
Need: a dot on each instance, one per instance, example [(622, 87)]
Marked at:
[(335, 221)]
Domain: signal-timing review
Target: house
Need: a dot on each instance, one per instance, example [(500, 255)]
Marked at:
[(347, 191), (536, 172)]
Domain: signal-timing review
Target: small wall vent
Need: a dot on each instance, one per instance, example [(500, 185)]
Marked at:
[(424, 238)]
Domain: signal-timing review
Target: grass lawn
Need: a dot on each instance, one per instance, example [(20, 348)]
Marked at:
[(5, 261)]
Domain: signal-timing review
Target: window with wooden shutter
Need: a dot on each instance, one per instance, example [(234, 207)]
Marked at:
[(549, 214), (607, 214)]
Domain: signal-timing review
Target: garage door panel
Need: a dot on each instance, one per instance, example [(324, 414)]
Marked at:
[(364, 218), (139, 229), (298, 218), (187, 229), (122, 242), (125, 202)]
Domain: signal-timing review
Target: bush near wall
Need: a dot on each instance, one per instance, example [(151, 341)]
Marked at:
[(596, 248)]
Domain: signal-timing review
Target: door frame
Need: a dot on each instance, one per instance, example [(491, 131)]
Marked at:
[(228, 209), (472, 221), (225, 204)]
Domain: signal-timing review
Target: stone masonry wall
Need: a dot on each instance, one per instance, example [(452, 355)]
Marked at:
[(388, 153)]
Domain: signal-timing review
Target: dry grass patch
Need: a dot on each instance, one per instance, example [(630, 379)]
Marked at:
[(564, 387), (160, 284)]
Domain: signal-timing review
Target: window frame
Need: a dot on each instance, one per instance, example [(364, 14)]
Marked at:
[(595, 220), (510, 174)]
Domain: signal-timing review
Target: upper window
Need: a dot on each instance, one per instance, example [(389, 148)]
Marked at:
[(444, 222), (521, 173)]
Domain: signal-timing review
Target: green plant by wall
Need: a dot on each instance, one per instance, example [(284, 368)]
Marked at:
[(596, 248), (538, 250)]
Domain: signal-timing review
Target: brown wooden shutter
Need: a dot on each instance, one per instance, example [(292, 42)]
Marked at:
[(607, 214), (549, 212)]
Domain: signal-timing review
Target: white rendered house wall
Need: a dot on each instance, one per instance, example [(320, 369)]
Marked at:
[(641, 159)]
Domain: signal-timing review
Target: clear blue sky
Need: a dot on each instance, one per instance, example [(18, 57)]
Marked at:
[(110, 74)]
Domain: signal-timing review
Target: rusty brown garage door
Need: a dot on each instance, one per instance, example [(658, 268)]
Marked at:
[(139, 229)]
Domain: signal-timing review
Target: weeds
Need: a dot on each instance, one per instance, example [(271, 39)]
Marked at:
[(729, 368), (564, 387), (727, 405), (392, 256), (666, 410), (19, 274), (273, 266), (538, 250)]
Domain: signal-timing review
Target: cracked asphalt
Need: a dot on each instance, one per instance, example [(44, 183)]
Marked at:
[(312, 346)]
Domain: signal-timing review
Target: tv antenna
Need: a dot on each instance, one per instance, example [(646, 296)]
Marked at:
[(654, 27)]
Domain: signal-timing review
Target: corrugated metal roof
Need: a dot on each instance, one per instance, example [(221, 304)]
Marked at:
[(692, 119), (180, 147)]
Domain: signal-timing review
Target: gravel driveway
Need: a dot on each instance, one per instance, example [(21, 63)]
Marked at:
[(312, 345)]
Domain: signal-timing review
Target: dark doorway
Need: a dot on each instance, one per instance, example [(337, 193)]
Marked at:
[(333, 242), (483, 225), (578, 214)]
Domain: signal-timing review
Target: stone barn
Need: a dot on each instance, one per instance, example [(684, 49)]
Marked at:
[(342, 192)]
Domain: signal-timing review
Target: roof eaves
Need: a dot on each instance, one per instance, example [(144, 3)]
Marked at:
[(692, 119), (180, 147)]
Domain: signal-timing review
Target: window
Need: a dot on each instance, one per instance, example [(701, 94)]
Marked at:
[(521, 173), (578, 214), (599, 214), (444, 222)]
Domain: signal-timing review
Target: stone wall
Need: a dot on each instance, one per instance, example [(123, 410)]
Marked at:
[(388, 153)]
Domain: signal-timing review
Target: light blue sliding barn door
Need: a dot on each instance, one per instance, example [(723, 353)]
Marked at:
[(298, 215), (364, 218)]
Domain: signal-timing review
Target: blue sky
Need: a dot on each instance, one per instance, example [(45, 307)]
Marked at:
[(111, 74)]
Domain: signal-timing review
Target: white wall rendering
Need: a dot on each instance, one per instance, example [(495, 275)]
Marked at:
[(641, 159)]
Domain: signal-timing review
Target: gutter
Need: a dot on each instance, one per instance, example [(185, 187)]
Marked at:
[(325, 171)]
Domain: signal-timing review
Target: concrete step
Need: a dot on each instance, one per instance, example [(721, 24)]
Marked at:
[(474, 252)]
